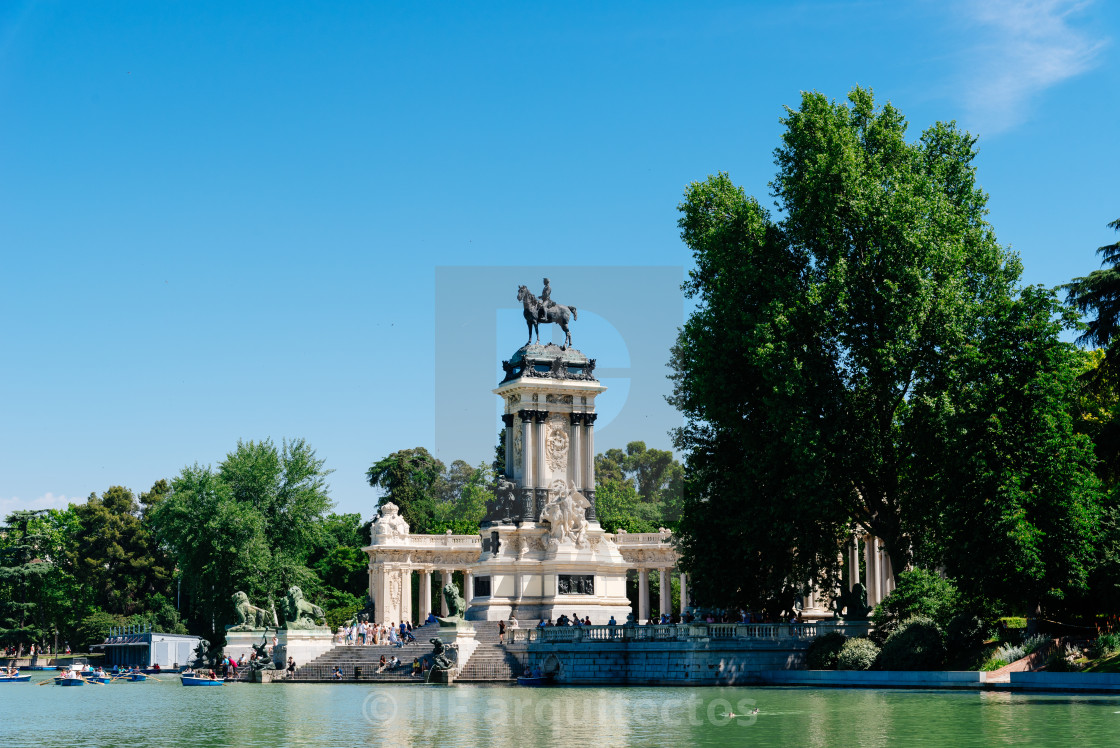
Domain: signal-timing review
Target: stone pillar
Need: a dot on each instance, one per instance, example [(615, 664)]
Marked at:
[(886, 579), (539, 481), (853, 563), (589, 450), (446, 576), (528, 501), (666, 591), (870, 560), (468, 586), (684, 592), (425, 594), (576, 450), (643, 595)]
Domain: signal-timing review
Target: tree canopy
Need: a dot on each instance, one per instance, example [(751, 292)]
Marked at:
[(845, 359)]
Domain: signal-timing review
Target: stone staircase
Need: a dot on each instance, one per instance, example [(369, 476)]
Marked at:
[(490, 661), (360, 663)]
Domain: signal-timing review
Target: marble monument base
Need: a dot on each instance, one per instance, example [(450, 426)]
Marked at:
[(302, 645), (533, 579), (241, 642)]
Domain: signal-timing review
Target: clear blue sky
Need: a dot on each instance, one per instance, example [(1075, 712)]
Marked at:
[(224, 220)]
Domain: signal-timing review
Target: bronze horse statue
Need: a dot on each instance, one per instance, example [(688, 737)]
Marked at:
[(557, 313)]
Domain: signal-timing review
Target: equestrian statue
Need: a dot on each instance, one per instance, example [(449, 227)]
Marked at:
[(544, 309)]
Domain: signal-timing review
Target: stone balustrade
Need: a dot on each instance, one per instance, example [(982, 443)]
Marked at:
[(687, 632)]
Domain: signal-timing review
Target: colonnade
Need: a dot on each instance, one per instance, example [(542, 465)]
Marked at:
[(666, 593), (529, 467), (877, 575)]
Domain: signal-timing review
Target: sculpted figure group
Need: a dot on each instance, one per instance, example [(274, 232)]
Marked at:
[(566, 514)]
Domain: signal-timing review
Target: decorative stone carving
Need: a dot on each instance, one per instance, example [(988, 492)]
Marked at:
[(389, 526), (518, 448), (395, 589), (565, 513), (556, 444), (558, 399), (249, 616)]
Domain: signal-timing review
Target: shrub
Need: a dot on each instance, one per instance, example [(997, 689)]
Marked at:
[(1033, 643), (1105, 645), (993, 664), (919, 593), (1009, 653), (915, 645), (966, 632), (1062, 660), (823, 651), (857, 654)]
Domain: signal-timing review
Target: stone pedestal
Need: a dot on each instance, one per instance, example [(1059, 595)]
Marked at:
[(303, 645), (240, 643)]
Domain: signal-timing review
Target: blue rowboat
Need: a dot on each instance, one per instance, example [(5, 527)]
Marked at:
[(99, 678), (134, 677), (192, 680), (529, 680), (15, 678), (41, 667), (69, 681)]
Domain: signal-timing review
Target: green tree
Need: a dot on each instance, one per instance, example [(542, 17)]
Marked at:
[(837, 357), (407, 478), (114, 556), (1098, 294), (657, 476), (250, 525), (24, 566)]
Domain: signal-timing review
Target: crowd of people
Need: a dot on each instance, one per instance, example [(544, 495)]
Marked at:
[(364, 633)]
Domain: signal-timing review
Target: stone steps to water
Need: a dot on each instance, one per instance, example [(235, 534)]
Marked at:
[(359, 662), (490, 661)]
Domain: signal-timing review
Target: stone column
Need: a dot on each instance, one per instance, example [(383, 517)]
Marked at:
[(528, 501), (886, 581), (539, 463), (684, 592), (666, 601), (871, 553), (643, 595), (425, 594), (589, 450), (576, 450), (853, 563), (446, 576), (468, 586)]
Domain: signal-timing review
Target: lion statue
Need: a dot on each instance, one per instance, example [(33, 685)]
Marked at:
[(456, 605), (250, 616), (300, 614)]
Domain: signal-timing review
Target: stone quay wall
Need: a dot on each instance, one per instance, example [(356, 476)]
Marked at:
[(698, 654)]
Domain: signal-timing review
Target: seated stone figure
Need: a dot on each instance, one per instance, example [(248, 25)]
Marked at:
[(300, 614)]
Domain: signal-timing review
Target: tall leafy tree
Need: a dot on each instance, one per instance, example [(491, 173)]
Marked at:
[(114, 555), (249, 525), (1098, 294), (408, 479), (836, 353), (24, 566)]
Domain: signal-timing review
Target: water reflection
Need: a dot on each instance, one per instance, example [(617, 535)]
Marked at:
[(166, 714)]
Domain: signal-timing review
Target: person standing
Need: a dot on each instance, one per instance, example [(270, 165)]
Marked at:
[(501, 632)]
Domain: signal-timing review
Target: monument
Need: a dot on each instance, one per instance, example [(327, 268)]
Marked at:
[(305, 634), (543, 550), (253, 623)]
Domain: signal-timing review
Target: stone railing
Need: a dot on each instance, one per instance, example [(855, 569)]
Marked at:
[(686, 632), (641, 538), (442, 541)]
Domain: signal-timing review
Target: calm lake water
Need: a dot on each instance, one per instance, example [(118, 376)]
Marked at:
[(167, 714)]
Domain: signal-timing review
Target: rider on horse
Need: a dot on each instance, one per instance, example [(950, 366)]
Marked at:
[(546, 302)]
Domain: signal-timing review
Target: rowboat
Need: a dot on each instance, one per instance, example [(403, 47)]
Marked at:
[(40, 667), (69, 681), (99, 678), (134, 677), (14, 678), (530, 680), (194, 680)]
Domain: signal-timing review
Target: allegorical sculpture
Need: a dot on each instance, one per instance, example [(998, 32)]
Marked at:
[(201, 655), (544, 309), (566, 514), (853, 604), (504, 508), (390, 525), (249, 616), (444, 656), (261, 659), (300, 614)]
